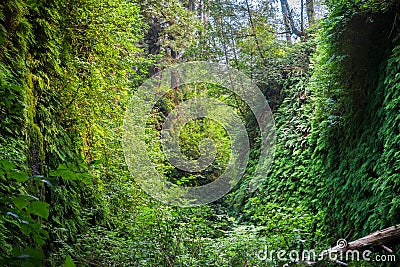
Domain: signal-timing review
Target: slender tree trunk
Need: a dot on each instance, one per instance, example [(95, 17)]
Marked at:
[(302, 15), (191, 5), (310, 12), (285, 15), (288, 20)]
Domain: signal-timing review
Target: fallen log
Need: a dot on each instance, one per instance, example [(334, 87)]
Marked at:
[(381, 239)]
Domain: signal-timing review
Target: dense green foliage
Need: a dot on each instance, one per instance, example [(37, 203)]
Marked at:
[(68, 68), (357, 118), (337, 153), (57, 67)]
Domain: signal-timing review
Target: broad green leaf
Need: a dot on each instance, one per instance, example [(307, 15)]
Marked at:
[(63, 172), (20, 202), (17, 175), (6, 165), (39, 208), (34, 257), (69, 262), (26, 229)]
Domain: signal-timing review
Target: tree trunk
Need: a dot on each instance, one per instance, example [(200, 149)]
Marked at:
[(310, 12), (302, 15), (288, 20), (285, 15)]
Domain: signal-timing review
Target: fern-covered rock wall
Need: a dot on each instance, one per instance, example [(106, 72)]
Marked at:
[(63, 81), (356, 122), (336, 167)]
